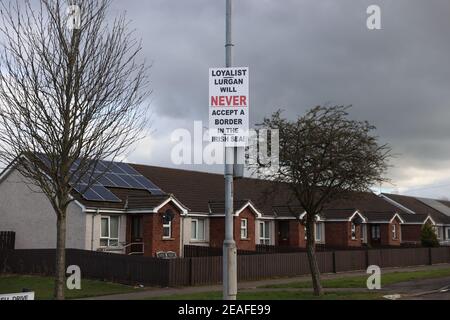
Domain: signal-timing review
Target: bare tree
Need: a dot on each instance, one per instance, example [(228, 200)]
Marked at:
[(72, 89), (325, 155)]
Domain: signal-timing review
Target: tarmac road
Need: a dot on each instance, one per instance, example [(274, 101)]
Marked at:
[(430, 289)]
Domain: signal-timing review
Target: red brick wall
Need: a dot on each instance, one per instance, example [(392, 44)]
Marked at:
[(296, 234), (339, 235), (217, 231), (153, 232), (411, 232), (357, 242), (249, 243), (336, 234), (387, 236), (148, 234), (385, 233)]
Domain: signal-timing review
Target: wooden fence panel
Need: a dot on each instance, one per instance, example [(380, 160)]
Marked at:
[(179, 272), (28, 262), (200, 252), (325, 261), (7, 240), (440, 255), (206, 270), (392, 258), (135, 270), (350, 260)]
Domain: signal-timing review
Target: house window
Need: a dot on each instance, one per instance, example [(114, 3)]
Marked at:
[(244, 229), (319, 232), (376, 232), (353, 231), (363, 233), (167, 224), (394, 232), (439, 232), (198, 230), (109, 231), (264, 233), (448, 234)]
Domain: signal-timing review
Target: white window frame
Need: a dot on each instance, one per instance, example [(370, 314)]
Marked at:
[(378, 234), (262, 236), (319, 226), (197, 237), (353, 231), (436, 231), (439, 233), (363, 232), (244, 229), (394, 232), (169, 226), (108, 238)]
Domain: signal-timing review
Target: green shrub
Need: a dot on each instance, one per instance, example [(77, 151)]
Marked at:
[(428, 237)]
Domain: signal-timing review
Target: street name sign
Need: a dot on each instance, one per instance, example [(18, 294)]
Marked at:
[(17, 296)]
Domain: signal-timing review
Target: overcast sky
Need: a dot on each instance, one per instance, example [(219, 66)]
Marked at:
[(303, 53)]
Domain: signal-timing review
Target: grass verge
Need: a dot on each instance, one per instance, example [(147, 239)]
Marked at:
[(360, 281), (43, 287)]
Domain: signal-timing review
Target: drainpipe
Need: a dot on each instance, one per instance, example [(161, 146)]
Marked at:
[(92, 228)]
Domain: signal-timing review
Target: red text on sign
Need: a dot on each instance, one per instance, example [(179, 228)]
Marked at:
[(236, 101)]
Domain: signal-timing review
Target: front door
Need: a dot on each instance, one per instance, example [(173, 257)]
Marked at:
[(375, 235), (283, 233), (137, 234)]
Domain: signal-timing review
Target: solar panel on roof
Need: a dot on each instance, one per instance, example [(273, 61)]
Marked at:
[(157, 192), (133, 182), (128, 169), (117, 181), (106, 174), (113, 175), (145, 182), (96, 193), (105, 194)]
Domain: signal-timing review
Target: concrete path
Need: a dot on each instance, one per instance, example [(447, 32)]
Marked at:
[(254, 285)]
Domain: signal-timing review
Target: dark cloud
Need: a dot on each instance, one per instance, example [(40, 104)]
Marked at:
[(305, 53)]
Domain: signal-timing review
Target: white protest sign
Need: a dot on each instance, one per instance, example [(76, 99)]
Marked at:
[(17, 296), (229, 106)]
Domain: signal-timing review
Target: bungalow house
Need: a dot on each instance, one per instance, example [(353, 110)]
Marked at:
[(139, 218), (290, 227), (384, 229), (354, 228), (136, 209), (437, 210), (248, 220), (412, 227), (344, 228), (361, 219)]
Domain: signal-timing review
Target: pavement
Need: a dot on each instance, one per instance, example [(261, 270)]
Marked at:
[(418, 289)]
